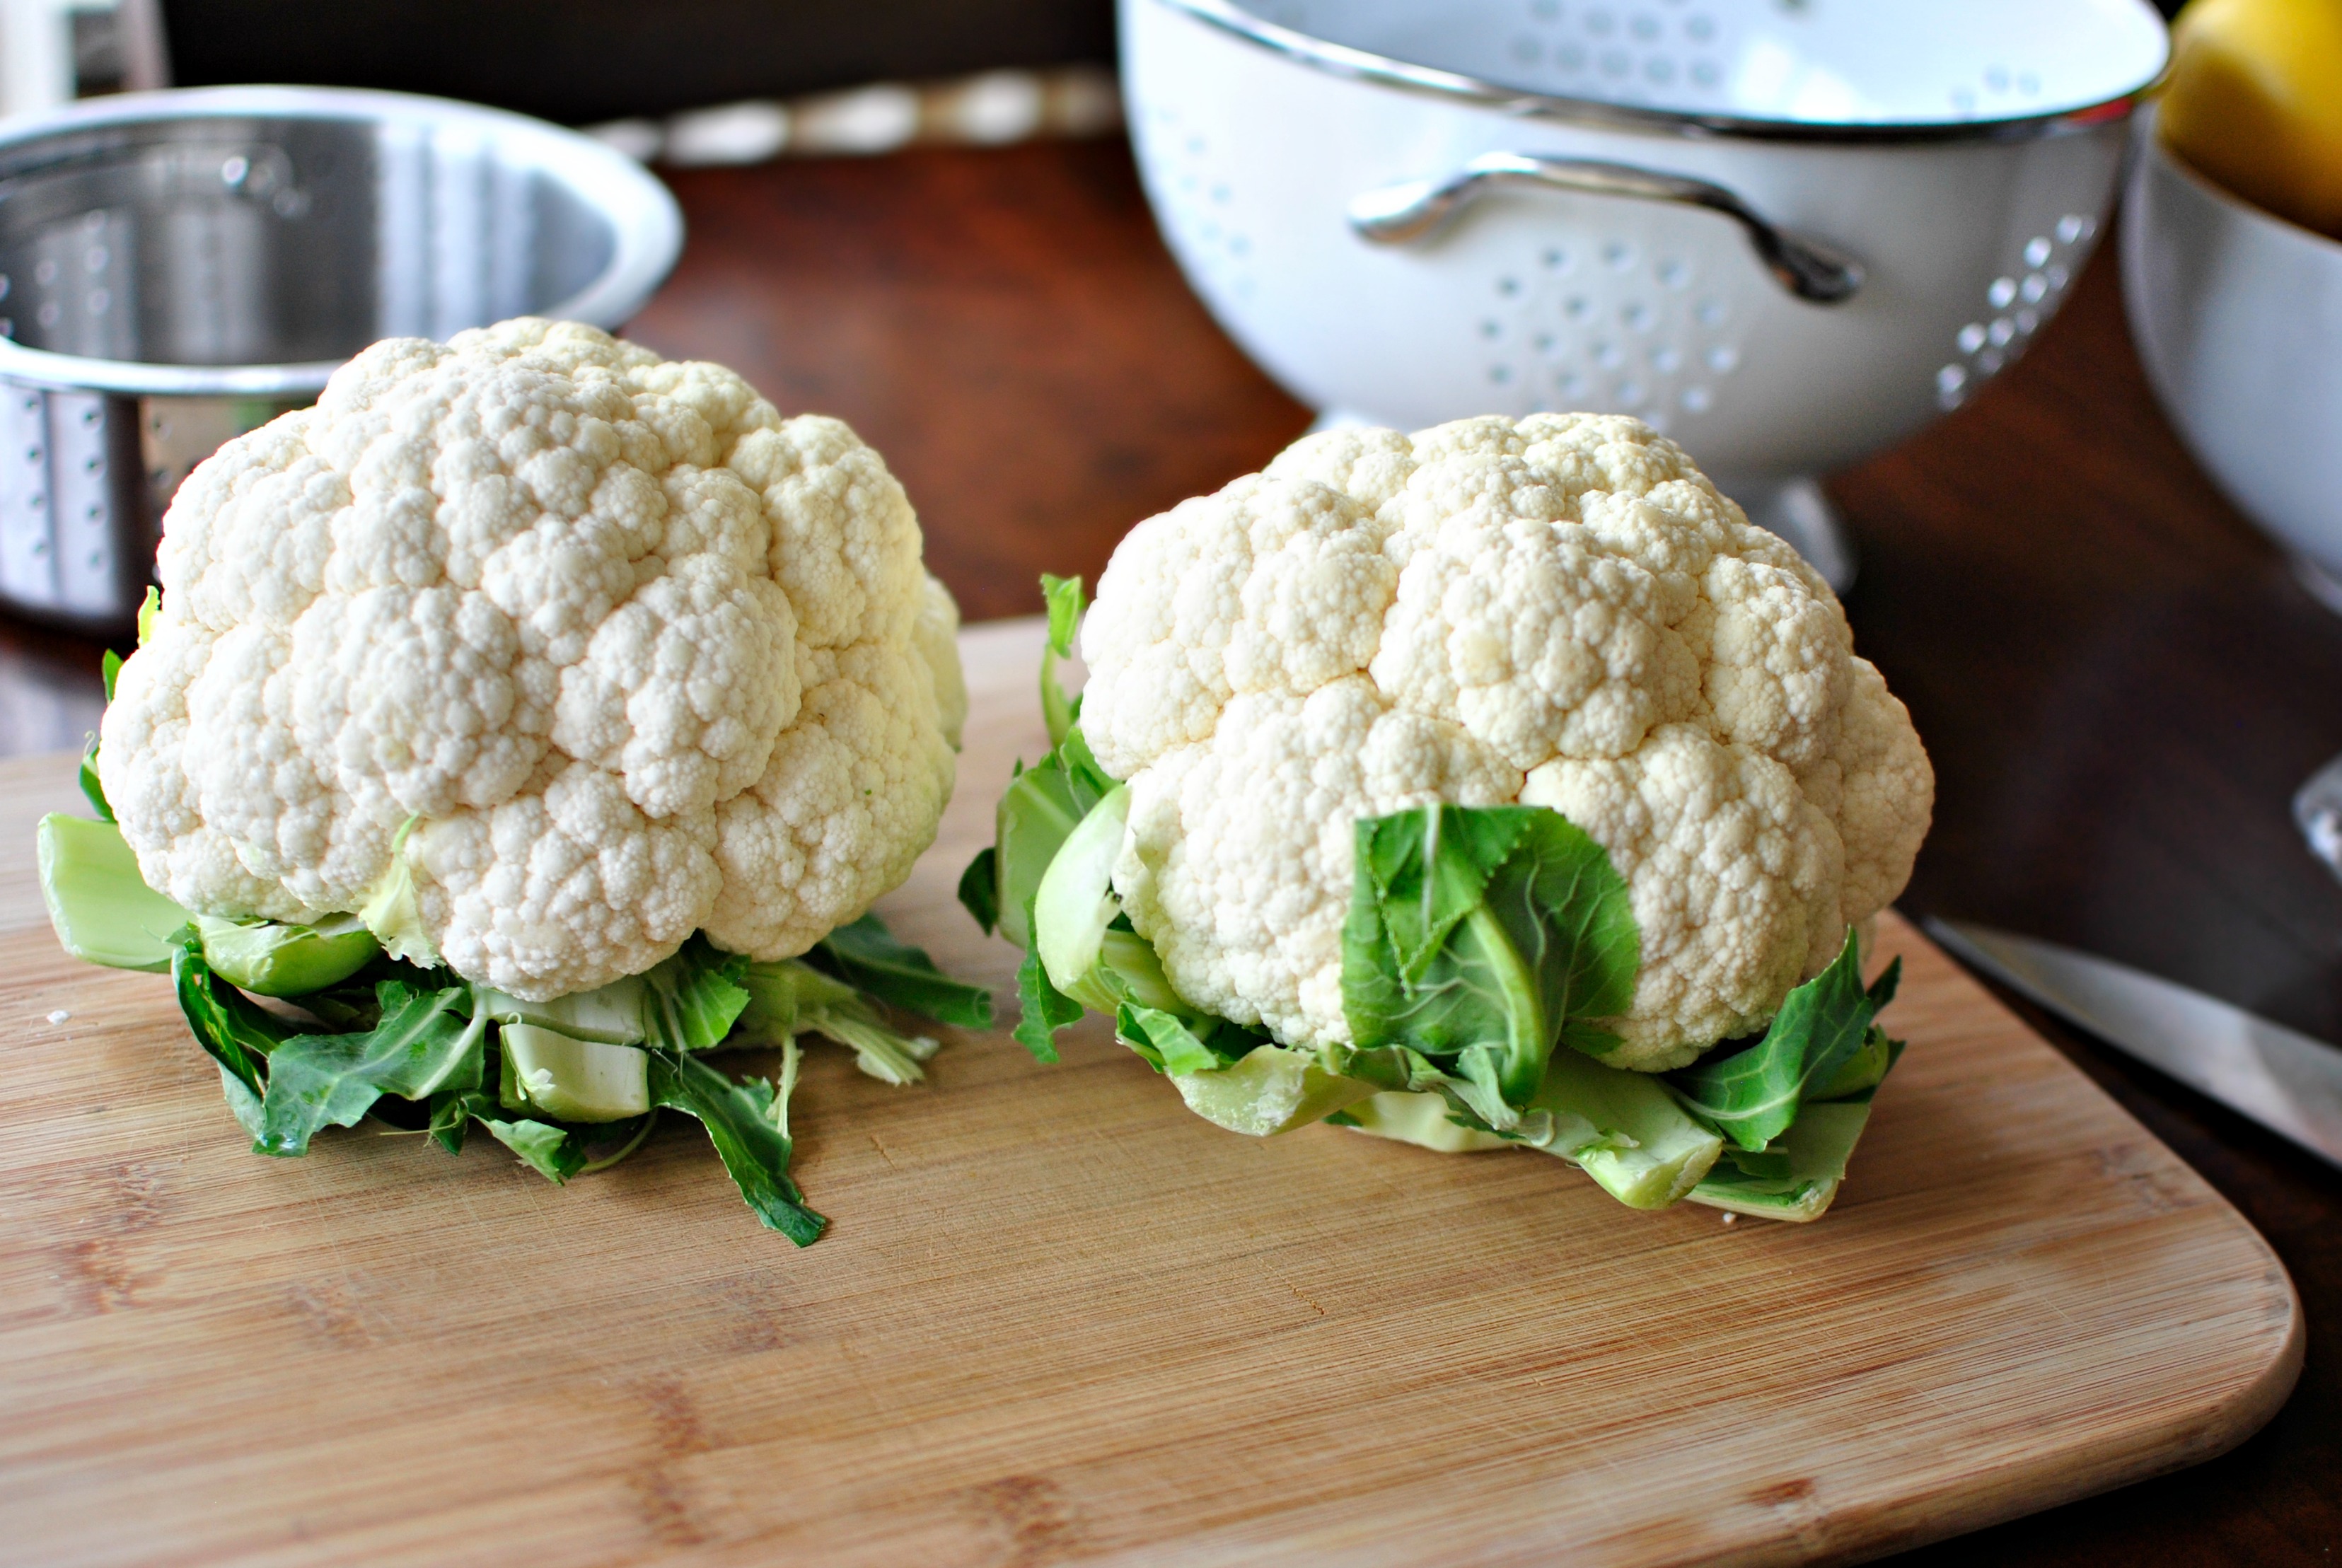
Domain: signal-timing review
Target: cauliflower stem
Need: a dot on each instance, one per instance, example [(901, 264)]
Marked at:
[(1485, 952), (569, 1085)]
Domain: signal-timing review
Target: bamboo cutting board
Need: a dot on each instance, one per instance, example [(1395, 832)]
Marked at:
[(1060, 1319)]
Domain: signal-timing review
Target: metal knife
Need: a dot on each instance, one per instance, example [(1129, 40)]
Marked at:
[(2285, 1081)]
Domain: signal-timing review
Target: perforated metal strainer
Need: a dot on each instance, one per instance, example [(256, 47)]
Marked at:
[(1786, 232)]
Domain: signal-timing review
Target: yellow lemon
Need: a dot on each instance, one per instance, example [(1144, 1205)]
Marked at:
[(2255, 102)]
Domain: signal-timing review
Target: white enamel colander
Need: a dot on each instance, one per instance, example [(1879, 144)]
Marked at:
[(1786, 232)]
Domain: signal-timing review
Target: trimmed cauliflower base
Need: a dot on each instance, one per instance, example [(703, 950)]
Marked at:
[(637, 656), (1559, 610)]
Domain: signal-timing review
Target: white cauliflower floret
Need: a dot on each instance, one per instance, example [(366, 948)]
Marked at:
[(1559, 610), (635, 656)]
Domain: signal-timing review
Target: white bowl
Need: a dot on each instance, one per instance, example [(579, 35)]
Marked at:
[(1612, 168), (2238, 317)]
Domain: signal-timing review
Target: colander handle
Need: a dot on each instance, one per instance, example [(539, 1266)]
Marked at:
[(1417, 209)]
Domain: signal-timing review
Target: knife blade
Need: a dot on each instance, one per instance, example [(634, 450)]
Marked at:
[(2287, 1081)]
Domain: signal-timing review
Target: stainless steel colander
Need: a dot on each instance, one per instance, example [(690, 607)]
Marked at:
[(175, 267)]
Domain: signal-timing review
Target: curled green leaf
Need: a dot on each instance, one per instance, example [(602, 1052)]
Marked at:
[(739, 1123), (1044, 1009), (1064, 597), (1822, 1031), (101, 908), (867, 956), (980, 889), (426, 1041), (1479, 935)]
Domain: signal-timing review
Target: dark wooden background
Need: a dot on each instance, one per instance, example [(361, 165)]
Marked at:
[(2118, 681)]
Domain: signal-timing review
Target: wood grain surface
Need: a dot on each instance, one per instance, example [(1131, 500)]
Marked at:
[(1059, 1319)]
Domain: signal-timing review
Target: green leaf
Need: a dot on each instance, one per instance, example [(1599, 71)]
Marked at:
[(1479, 933), (452, 1111), (576, 1080), (109, 669), (1064, 597), (1858, 1077), (1090, 781), (867, 956), (149, 608), (738, 1119), (1754, 1095), (692, 998), (554, 1153), (1038, 810), (783, 996), (1623, 1129), (236, 1033), (392, 910), (425, 1042), (884, 1052), (1272, 1089), (93, 788), (102, 910), (1045, 1008), (275, 959), (980, 889), (1796, 1176), (1165, 1040), (1075, 901)]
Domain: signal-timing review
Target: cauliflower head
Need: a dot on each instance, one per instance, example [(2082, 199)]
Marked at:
[(634, 655), (1558, 610)]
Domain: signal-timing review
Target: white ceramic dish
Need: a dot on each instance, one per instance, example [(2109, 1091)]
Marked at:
[(2238, 316), (1788, 234)]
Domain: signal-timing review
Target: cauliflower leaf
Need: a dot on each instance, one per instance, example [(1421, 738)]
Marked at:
[(1480, 933), (426, 1041), (867, 956), (1754, 1095), (741, 1124), (1064, 597)]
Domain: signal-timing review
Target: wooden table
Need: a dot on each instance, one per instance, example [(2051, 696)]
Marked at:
[(2119, 681)]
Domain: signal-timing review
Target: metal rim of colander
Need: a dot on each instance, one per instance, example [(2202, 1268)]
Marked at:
[(646, 222), (1363, 64)]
